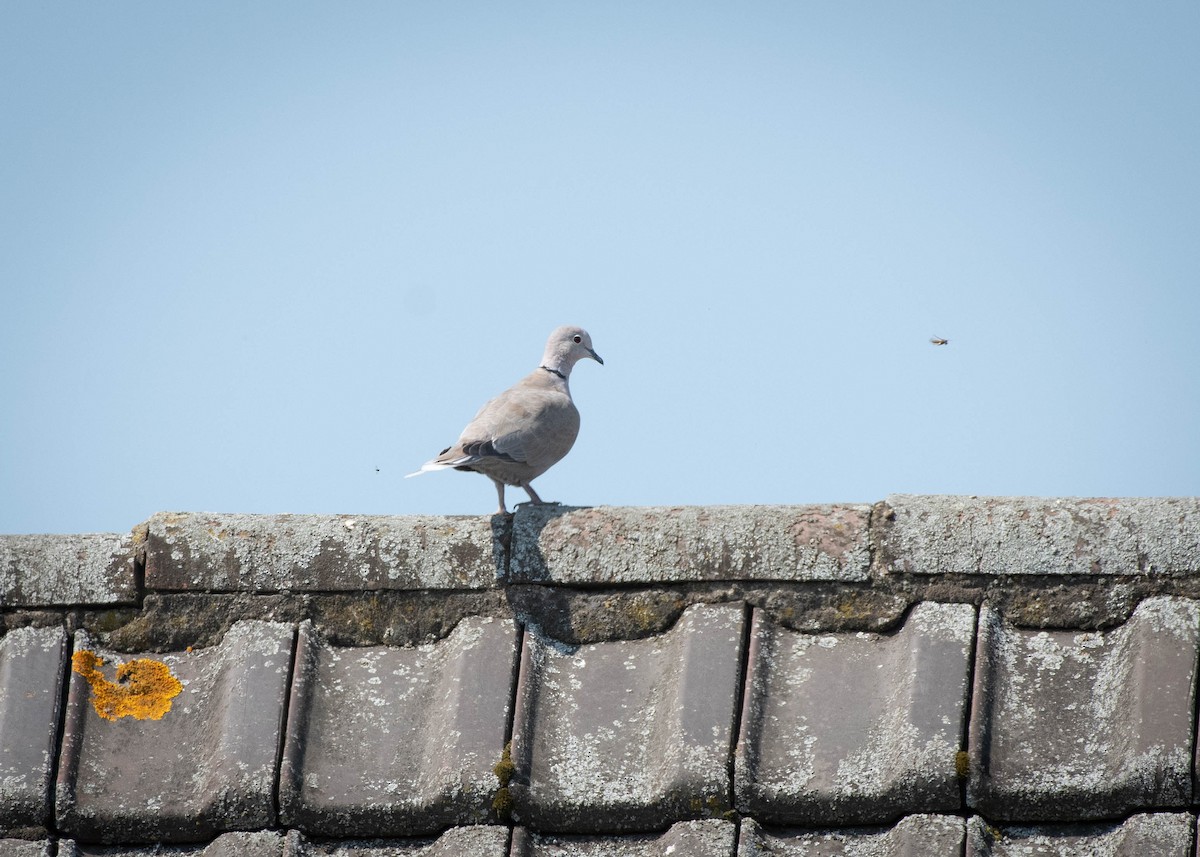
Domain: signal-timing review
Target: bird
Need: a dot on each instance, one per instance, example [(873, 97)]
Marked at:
[(937, 340), (527, 429)]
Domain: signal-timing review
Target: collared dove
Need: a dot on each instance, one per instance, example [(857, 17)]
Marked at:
[(527, 429)]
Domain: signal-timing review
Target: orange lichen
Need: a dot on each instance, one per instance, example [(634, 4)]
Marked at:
[(144, 688)]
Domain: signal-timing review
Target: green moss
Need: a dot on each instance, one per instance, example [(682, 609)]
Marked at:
[(107, 621), (502, 800), (502, 804), (712, 806), (962, 764), (505, 767), (643, 616)]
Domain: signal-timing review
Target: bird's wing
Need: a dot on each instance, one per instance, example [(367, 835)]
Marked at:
[(517, 424)]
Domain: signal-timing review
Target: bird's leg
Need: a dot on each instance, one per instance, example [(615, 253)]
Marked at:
[(500, 495), (537, 501)]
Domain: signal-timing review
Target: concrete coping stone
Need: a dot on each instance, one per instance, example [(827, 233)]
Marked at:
[(1040, 535), (615, 545), (267, 553), (53, 570), (1156, 540)]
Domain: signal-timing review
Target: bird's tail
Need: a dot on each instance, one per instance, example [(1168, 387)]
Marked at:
[(429, 467)]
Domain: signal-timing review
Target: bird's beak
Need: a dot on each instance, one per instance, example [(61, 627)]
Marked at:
[(595, 357)]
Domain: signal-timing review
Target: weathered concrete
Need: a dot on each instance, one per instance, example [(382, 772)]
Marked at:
[(925, 835), (470, 841), (705, 838), (855, 728), (1075, 726), (1083, 704), (171, 621), (1035, 535), (263, 843), (272, 553), (205, 765), (623, 736), (385, 741), (52, 570), (32, 663), (629, 545), (1164, 834)]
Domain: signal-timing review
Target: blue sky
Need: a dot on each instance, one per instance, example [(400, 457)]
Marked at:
[(271, 257)]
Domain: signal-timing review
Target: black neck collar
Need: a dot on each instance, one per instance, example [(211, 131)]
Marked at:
[(554, 372)]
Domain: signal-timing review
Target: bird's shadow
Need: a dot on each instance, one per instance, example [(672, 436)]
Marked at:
[(516, 542)]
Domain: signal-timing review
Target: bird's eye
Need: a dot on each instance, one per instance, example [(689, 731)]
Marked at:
[(577, 338)]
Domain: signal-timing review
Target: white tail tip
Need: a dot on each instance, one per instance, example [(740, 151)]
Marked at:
[(427, 467)]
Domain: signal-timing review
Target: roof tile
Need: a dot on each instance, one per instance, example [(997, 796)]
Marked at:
[(706, 838), (609, 545), (48, 570), (32, 663), (206, 766), (469, 841), (386, 741), (270, 553), (628, 735), (855, 728), (242, 844), (1076, 726), (1037, 535), (927, 835), (627, 700), (1165, 834)]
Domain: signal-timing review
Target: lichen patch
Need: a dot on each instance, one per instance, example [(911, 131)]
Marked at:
[(143, 688)]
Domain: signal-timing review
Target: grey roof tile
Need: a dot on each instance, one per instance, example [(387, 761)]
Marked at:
[(1076, 726), (1165, 834), (925, 835), (855, 728), (617, 741), (323, 552), (47, 570), (32, 664), (608, 545), (263, 843), (386, 741), (207, 764), (705, 838), (467, 841), (628, 735), (26, 848), (1037, 535)]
